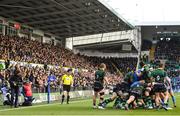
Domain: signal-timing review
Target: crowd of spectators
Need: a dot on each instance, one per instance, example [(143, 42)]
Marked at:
[(172, 68), (169, 50), (32, 51), (123, 65), (38, 76), (21, 49)]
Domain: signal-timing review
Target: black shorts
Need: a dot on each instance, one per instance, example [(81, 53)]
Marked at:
[(136, 93), (152, 92), (67, 88), (98, 87), (160, 87), (124, 87)]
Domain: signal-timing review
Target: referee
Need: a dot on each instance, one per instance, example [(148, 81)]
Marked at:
[(67, 81)]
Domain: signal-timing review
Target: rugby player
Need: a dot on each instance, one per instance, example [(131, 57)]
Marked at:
[(99, 84), (159, 87), (120, 92)]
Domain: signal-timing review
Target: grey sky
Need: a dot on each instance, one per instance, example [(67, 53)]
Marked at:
[(137, 11)]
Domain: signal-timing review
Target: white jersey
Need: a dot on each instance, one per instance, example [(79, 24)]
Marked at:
[(168, 83)]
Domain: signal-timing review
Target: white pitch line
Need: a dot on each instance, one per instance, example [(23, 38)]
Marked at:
[(39, 106)]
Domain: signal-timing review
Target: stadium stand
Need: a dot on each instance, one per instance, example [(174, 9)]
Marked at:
[(146, 45), (123, 64), (22, 49), (169, 50)]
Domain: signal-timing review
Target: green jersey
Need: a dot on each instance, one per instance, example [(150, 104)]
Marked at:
[(99, 76), (145, 69), (159, 75), (129, 77), (146, 73)]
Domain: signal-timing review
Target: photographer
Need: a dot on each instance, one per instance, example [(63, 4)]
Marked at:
[(15, 83), (27, 90)]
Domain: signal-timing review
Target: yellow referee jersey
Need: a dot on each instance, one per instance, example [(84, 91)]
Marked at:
[(67, 80)]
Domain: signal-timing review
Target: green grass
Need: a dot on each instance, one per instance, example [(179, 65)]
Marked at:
[(83, 107)]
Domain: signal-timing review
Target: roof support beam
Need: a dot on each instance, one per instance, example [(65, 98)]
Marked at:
[(60, 19), (84, 27), (55, 13), (95, 29), (105, 20)]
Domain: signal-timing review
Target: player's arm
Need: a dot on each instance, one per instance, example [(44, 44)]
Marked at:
[(72, 81), (62, 80), (142, 81), (138, 83)]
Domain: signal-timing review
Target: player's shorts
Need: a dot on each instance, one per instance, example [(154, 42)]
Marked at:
[(124, 87), (169, 87), (160, 87), (67, 88), (98, 86), (152, 92), (137, 93)]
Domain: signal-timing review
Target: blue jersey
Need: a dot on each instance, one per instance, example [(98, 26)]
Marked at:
[(51, 78), (132, 77), (137, 86)]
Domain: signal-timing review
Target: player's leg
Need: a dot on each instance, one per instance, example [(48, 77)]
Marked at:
[(97, 91), (64, 93), (165, 94), (157, 99), (94, 98), (130, 100), (159, 88), (12, 96), (153, 100), (109, 100), (147, 98), (16, 97), (63, 96), (173, 97), (117, 103), (134, 104), (164, 100), (141, 103), (68, 97), (8, 95), (101, 96), (166, 97)]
